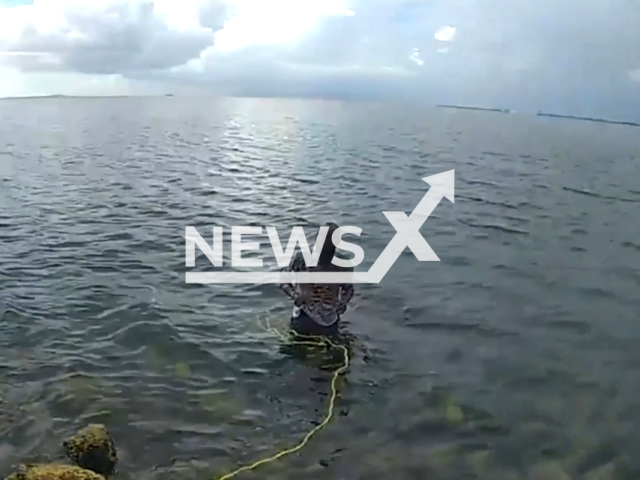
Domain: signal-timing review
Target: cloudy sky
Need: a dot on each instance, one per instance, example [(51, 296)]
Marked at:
[(572, 55)]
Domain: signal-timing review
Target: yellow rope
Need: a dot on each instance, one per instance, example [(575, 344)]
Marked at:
[(312, 341)]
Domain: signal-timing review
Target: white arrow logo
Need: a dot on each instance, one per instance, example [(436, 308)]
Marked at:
[(407, 235), (408, 228)]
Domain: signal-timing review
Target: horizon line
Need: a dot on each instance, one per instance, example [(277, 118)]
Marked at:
[(536, 113)]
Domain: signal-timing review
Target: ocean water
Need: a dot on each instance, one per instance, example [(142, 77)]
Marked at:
[(514, 357)]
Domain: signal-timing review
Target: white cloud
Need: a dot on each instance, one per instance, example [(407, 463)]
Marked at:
[(415, 57), (15, 83), (103, 36), (498, 50), (445, 34), (274, 22)]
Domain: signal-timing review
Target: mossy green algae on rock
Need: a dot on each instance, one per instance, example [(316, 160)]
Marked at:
[(53, 472), (92, 448)]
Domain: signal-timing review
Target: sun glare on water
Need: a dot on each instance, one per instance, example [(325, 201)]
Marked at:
[(274, 22)]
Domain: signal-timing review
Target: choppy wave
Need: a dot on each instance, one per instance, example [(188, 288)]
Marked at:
[(514, 354)]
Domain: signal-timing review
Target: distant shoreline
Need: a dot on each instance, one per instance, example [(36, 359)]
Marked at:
[(543, 114), (457, 107), (588, 119), (485, 109), (48, 97)]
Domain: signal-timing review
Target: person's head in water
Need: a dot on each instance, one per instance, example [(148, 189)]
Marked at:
[(328, 249)]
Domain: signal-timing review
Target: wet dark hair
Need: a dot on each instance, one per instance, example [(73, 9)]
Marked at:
[(328, 249)]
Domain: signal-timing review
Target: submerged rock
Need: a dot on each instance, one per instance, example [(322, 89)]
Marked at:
[(604, 472), (549, 470), (92, 448), (453, 413), (53, 472), (480, 461), (183, 371)]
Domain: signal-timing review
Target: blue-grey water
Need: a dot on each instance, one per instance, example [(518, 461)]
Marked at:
[(514, 357)]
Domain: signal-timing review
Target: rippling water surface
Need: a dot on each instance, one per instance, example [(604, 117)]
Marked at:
[(515, 357)]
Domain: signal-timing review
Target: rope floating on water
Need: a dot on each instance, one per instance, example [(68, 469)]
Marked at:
[(307, 341)]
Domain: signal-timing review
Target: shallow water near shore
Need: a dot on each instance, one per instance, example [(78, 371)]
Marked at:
[(514, 357)]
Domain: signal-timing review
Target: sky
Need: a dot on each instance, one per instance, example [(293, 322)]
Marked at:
[(571, 56)]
